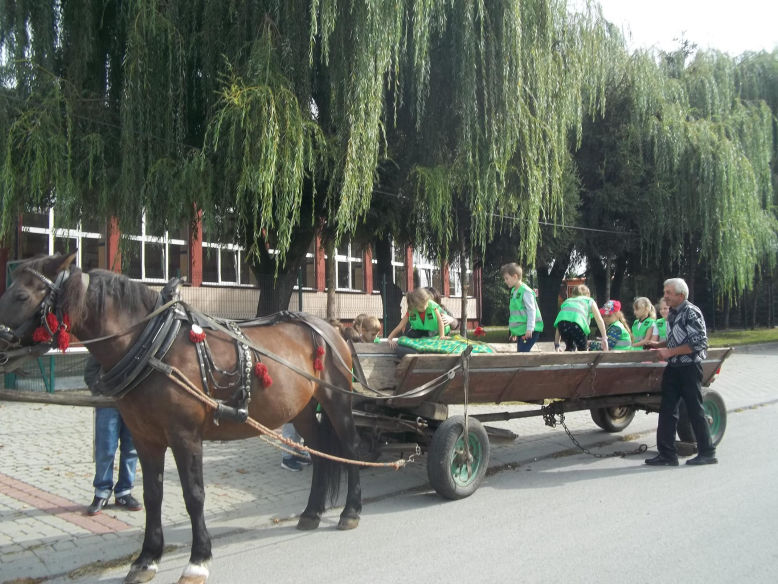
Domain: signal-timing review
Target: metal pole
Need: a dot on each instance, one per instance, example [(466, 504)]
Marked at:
[(300, 288)]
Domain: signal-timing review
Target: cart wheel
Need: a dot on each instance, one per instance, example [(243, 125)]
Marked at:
[(613, 419), (715, 413), (450, 474)]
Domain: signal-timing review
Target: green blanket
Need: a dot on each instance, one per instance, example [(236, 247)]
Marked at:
[(456, 344)]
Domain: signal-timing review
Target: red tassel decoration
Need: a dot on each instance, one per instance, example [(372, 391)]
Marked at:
[(196, 335), (261, 373), (318, 364), (51, 320), (41, 335)]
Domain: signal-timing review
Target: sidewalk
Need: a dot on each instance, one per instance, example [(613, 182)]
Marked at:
[(46, 473)]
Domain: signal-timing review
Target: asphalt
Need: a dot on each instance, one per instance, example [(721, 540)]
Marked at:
[(46, 471)]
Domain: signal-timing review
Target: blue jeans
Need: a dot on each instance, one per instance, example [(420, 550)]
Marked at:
[(523, 346), (110, 430), (289, 431)]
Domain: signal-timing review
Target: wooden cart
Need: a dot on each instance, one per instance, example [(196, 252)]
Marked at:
[(420, 387)]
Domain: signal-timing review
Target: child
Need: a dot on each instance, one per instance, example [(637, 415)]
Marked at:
[(619, 338), (448, 318), (423, 315), (371, 328), (525, 322), (572, 322), (643, 327), (660, 325)]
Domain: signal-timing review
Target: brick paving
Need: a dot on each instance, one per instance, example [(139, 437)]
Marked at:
[(46, 473)]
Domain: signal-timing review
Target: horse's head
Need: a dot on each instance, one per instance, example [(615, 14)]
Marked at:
[(34, 293)]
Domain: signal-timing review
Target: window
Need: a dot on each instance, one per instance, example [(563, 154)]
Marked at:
[(455, 279), (349, 269), (398, 266), (40, 236), (430, 274), (308, 269), (154, 258)]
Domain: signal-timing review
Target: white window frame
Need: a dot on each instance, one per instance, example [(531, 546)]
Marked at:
[(53, 233), (165, 240), (455, 279), (348, 259)]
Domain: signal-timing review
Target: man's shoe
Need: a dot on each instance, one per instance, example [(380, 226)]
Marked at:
[(129, 502), (291, 464), (97, 505), (700, 459), (661, 461), (304, 459)]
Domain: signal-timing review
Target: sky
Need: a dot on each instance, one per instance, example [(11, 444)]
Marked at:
[(731, 26)]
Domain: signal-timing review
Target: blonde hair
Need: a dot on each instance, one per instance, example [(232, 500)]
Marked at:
[(658, 305), (417, 299), (619, 315), (371, 326), (643, 302), (513, 269), (580, 290)]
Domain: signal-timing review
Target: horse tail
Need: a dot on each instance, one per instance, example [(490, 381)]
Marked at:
[(330, 469)]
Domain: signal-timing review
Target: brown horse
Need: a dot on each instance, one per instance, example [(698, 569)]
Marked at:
[(103, 306)]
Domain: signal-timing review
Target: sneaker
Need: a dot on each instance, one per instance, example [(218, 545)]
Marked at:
[(701, 459), (97, 505), (291, 464), (129, 502), (304, 458)]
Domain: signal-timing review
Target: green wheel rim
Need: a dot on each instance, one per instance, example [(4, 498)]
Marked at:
[(459, 467), (713, 416)]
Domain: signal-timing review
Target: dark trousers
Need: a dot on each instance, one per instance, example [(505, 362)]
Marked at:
[(523, 346), (572, 335), (682, 383)]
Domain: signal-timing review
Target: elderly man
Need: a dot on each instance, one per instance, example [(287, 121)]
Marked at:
[(684, 349)]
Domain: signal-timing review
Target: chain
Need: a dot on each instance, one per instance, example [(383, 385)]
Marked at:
[(549, 417)]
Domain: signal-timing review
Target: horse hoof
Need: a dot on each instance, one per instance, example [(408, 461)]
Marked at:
[(307, 523), (194, 574), (140, 574), (346, 523)]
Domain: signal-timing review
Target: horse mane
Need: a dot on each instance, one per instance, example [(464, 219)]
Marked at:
[(103, 285)]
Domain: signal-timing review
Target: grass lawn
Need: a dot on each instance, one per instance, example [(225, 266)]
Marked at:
[(728, 338)]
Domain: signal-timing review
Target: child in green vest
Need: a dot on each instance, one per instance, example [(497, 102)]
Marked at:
[(660, 325), (643, 327), (525, 322), (574, 319), (619, 338), (423, 316)]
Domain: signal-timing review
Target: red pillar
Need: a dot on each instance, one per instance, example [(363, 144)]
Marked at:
[(409, 268), (320, 265), (367, 263), (113, 261), (196, 251)]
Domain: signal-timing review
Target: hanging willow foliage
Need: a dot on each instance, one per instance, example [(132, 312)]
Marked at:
[(251, 111)]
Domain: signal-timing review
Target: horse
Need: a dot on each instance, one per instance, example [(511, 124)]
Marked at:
[(306, 363)]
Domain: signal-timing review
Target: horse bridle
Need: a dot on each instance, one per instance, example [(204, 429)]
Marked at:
[(13, 338)]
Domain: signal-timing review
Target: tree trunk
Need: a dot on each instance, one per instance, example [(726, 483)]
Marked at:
[(332, 309), (275, 292), (549, 284), (391, 293), (463, 276)]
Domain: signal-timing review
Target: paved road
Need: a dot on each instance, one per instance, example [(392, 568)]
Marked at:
[(46, 471)]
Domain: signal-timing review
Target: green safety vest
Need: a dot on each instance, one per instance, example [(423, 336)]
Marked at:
[(624, 342), (430, 322), (517, 322), (661, 326), (578, 310), (639, 330)]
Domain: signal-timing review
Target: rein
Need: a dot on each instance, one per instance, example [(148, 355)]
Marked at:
[(177, 377)]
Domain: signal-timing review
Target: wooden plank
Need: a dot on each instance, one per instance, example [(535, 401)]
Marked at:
[(63, 398)]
